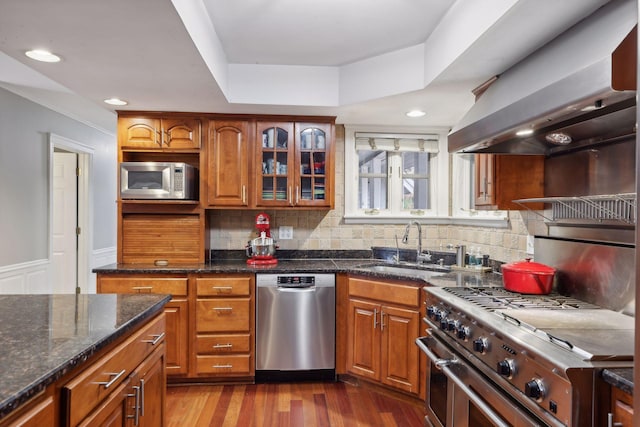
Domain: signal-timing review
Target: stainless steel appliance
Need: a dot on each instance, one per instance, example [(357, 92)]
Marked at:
[(295, 326), (499, 358), (158, 180)]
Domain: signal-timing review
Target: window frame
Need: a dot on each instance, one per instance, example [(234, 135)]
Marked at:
[(439, 178), (445, 173)]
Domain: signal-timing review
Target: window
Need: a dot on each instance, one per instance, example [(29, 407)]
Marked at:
[(394, 175)]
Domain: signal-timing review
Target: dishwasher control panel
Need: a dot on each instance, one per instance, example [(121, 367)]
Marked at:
[(296, 280)]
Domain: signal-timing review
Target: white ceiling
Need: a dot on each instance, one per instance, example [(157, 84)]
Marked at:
[(365, 61)]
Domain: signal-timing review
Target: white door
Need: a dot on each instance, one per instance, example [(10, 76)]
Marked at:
[(65, 222)]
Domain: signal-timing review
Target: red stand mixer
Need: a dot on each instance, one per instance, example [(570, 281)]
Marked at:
[(261, 250)]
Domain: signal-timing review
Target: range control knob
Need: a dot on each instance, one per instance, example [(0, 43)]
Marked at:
[(438, 314), (431, 311), (444, 323), (464, 332), (452, 325), (481, 345), (506, 368), (534, 389)]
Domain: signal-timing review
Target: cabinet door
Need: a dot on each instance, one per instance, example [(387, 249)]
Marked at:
[(500, 179), (363, 335), (228, 152), (147, 238), (180, 134), (139, 132), (313, 178), (151, 386), (621, 407), (484, 188), (400, 355), (177, 330), (275, 167)]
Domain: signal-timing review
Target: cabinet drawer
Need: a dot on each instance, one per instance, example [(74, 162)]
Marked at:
[(119, 285), (224, 286), (223, 315), (223, 344), (88, 389), (383, 291), (224, 365)]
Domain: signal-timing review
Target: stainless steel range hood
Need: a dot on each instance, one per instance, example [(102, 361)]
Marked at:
[(566, 86)]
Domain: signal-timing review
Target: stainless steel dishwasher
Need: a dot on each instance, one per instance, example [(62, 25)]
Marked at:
[(295, 327)]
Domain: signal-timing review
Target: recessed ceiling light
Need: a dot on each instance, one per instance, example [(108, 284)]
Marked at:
[(42, 55), (115, 101), (559, 138), (415, 113), (524, 132)]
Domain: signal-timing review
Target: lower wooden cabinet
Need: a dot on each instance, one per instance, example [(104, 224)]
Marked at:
[(124, 387), (176, 311), (209, 321), (40, 412), (381, 335), (621, 408), (225, 308)]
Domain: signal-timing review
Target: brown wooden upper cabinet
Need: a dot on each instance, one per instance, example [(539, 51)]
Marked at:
[(294, 164), (501, 178), (228, 164), (176, 133)]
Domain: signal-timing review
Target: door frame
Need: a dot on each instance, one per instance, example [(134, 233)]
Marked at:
[(85, 207)]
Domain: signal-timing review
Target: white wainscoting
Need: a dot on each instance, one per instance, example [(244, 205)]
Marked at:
[(35, 277), (26, 278)]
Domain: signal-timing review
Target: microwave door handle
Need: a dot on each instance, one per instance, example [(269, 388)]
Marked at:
[(474, 398)]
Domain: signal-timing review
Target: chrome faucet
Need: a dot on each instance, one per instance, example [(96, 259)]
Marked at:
[(420, 257)]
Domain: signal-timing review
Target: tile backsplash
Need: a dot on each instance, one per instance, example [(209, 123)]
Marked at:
[(326, 230)]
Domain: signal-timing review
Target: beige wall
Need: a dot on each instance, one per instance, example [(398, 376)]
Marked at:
[(327, 230)]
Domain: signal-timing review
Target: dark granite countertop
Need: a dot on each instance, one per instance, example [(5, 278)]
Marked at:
[(45, 336), (312, 265), (621, 378)]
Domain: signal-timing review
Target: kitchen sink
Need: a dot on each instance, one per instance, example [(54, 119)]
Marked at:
[(424, 271)]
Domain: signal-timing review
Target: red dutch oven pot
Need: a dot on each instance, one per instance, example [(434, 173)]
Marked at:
[(528, 277)]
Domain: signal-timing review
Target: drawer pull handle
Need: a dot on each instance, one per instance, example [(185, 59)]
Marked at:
[(221, 289), (223, 309), (223, 346), (142, 288), (115, 375), (156, 339), (223, 366)]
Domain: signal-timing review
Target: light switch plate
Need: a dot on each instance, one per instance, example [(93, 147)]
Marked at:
[(530, 244), (285, 232)]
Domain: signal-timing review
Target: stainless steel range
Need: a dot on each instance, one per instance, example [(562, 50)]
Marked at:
[(499, 358)]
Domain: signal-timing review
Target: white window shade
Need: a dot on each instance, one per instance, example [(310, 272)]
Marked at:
[(427, 143)]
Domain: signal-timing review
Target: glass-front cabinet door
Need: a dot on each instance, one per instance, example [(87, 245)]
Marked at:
[(275, 160), (294, 164), (314, 175)]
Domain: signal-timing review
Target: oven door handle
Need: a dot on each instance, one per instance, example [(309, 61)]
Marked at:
[(439, 362), (443, 365)]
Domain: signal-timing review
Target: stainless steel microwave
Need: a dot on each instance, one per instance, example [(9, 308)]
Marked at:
[(158, 180)]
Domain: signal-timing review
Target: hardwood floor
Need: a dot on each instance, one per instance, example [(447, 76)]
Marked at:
[(289, 405)]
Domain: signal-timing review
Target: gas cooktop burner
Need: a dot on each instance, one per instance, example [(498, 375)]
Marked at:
[(494, 298)]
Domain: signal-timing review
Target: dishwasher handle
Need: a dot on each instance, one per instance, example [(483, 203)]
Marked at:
[(306, 288)]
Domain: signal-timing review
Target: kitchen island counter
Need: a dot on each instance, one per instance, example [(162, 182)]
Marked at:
[(44, 337)]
